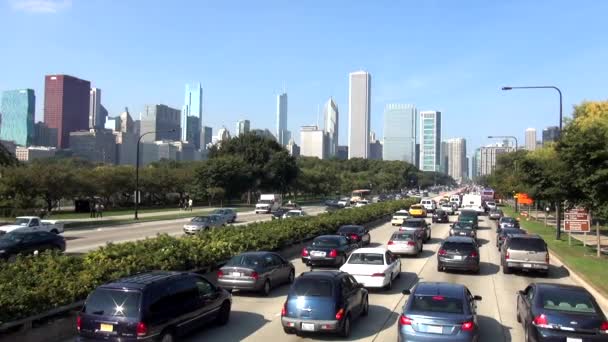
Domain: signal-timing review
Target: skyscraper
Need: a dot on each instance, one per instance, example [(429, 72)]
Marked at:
[(430, 141), (161, 119), (550, 134), (242, 127), (283, 135), (531, 139), (206, 136), (330, 119), (443, 158), (97, 113), (400, 132), (487, 158), (126, 122), (359, 94), (193, 107), (457, 158), (314, 142), (475, 160), (18, 108), (66, 106)]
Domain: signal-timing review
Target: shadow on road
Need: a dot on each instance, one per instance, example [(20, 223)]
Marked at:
[(375, 244), (279, 291), (433, 240), (70, 238), (483, 228), (488, 268), (482, 242), (554, 273), (241, 325), (405, 281), (492, 330)]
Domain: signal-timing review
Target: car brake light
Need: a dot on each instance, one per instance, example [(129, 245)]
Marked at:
[(354, 237), (547, 258), (142, 329), (333, 253), (507, 256), (411, 243), (438, 298), (255, 275), (604, 327), (304, 252), (340, 314), (468, 326), (443, 252), (390, 242), (378, 275), (404, 320), (474, 254), (78, 322), (220, 273), (540, 321), (284, 310)]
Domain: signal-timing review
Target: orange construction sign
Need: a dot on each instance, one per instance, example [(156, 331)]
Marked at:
[(523, 198)]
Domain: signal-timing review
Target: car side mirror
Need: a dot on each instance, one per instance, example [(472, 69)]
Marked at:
[(478, 298), (521, 292), (406, 292), (359, 286)]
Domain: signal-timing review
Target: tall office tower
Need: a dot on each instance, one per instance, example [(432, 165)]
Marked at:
[(242, 127), (443, 159), (359, 108), (97, 113), (475, 163), (126, 122), (283, 135), (44, 136), (457, 158), (430, 141), (487, 158), (66, 106), (193, 107), (330, 118), (18, 108), (531, 139), (206, 136), (400, 133), (550, 134), (314, 142), (161, 119)]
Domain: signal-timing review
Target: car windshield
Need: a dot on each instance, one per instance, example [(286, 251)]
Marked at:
[(22, 222), (218, 212), (437, 304), (13, 237), (412, 224), (245, 260), (366, 259), (264, 202), (294, 213), (350, 230), (512, 231), (403, 236), (416, 207), (468, 214), (525, 244), (311, 287), (508, 220), (461, 226), (110, 302), (567, 301), (200, 219), (325, 242), (458, 246), (401, 215)]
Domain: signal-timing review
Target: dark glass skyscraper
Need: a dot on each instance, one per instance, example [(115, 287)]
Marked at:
[(18, 108), (66, 106)]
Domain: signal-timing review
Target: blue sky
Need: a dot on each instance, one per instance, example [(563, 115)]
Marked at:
[(451, 56)]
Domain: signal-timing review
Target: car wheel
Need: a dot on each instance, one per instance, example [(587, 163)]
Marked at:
[(365, 309), (288, 331), (526, 333), (390, 283), (439, 268), (55, 231), (266, 288), (517, 315), (224, 314), (292, 276), (345, 327), (506, 269), (399, 274), (167, 337)]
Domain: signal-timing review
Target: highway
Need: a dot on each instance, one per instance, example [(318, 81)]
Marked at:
[(82, 241), (256, 318)]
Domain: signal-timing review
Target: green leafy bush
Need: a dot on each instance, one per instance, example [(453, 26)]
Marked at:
[(33, 285)]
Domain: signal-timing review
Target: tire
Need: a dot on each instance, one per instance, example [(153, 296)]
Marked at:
[(224, 315), (365, 310), (167, 337), (291, 277), (266, 288), (439, 268), (55, 231), (517, 314), (345, 332), (526, 333), (288, 331), (506, 269), (399, 274), (389, 286)]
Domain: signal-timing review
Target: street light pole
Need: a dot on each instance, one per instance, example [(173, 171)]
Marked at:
[(137, 171), (558, 210)]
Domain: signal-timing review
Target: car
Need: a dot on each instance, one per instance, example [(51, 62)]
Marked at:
[(278, 213), (373, 267), (458, 253), (504, 233), (429, 204), (255, 271), (417, 210), (324, 302), (29, 243), (361, 203), (463, 229), (507, 222), (294, 213), (327, 250), (202, 223), (491, 205), (448, 208), (419, 225), (292, 206), (344, 202), (399, 217), (229, 215), (440, 216), (219, 220), (356, 234), (469, 216), (439, 312), (405, 242), (152, 306), (524, 252), (495, 214), (559, 312)]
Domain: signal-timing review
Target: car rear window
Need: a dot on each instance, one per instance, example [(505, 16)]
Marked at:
[(463, 226), (311, 287), (349, 230), (536, 245), (461, 246), (567, 301), (110, 302), (412, 224), (465, 213), (437, 304), (366, 259), (404, 236), (325, 242), (244, 260), (508, 220), (200, 219)]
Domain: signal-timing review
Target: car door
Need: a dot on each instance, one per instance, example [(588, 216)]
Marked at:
[(366, 236), (210, 300), (524, 303), (271, 269), (34, 225), (28, 244), (282, 267), (351, 296), (392, 263)]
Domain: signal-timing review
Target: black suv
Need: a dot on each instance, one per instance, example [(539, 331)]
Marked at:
[(154, 306), (27, 243)]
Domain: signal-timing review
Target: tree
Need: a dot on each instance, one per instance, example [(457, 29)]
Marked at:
[(53, 181), (229, 173), (6, 157)]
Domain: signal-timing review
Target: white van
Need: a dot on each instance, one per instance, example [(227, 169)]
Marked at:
[(473, 202), (268, 203), (428, 204), (455, 199)]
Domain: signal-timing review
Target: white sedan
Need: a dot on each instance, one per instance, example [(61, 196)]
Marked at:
[(373, 267), (294, 213)]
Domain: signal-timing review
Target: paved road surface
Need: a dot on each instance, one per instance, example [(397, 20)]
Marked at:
[(82, 241), (258, 319)]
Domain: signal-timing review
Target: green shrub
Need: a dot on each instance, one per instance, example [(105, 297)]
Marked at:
[(33, 285)]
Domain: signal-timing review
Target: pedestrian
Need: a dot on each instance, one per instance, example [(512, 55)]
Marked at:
[(101, 208), (92, 209), (190, 204), (181, 204)]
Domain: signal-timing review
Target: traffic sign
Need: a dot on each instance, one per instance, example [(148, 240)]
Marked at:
[(577, 220)]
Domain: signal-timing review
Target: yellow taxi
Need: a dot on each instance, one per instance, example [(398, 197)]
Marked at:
[(417, 210)]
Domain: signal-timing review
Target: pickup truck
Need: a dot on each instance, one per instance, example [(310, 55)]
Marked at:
[(32, 224)]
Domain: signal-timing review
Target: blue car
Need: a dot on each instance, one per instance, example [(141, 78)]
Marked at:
[(324, 302), (439, 312)]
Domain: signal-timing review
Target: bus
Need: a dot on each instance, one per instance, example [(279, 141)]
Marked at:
[(487, 195), (358, 195)]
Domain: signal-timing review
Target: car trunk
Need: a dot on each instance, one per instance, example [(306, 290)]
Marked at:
[(575, 322), (237, 273), (365, 273), (447, 324), (111, 313), (457, 251), (320, 252), (528, 250)]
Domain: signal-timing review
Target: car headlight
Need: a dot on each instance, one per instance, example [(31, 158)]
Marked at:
[(2, 251), (451, 231)]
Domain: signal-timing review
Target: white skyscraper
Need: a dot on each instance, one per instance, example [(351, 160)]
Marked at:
[(97, 114), (457, 158), (331, 126), (242, 127), (430, 141), (531, 139), (400, 133), (283, 135), (359, 95), (313, 142)]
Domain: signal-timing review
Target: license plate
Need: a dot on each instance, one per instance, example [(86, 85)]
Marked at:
[(434, 329), (457, 257), (308, 327), (463, 233), (235, 274), (106, 327), (571, 339), (527, 265), (317, 254)]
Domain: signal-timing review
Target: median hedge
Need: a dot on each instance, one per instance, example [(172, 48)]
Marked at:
[(33, 285)]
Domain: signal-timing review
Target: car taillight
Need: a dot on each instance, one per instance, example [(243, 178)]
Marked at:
[(255, 275), (540, 320), (333, 253), (220, 273), (142, 329), (404, 320), (604, 327), (78, 322), (340, 314), (507, 256), (390, 242), (443, 252), (304, 252), (411, 243), (284, 309), (547, 258), (354, 237), (468, 326), (378, 275), (474, 254)]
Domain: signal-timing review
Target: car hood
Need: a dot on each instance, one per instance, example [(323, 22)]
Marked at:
[(362, 269), (7, 244), (11, 227)]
